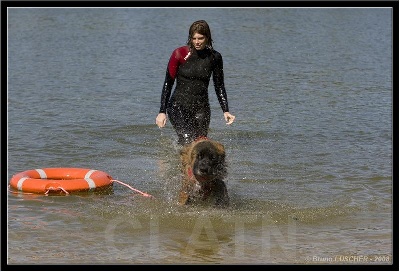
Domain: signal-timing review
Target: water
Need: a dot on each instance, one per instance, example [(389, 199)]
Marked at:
[(310, 154)]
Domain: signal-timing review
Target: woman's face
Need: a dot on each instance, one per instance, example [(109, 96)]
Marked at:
[(199, 41)]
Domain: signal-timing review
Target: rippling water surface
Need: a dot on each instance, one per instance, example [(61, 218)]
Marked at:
[(310, 155)]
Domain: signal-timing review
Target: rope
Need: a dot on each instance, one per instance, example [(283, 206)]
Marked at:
[(56, 189), (133, 189)]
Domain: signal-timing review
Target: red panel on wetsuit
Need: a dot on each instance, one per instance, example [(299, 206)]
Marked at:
[(179, 56)]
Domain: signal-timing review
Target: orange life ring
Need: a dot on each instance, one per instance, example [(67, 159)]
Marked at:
[(60, 179)]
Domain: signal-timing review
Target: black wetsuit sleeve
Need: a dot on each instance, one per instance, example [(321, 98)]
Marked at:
[(218, 78), (166, 91)]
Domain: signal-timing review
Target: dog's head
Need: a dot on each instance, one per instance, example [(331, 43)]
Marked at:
[(206, 160)]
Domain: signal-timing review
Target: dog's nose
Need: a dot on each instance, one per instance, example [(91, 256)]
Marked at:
[(205, 168)]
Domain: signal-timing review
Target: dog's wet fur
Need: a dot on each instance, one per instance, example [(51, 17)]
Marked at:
[(204, 168)]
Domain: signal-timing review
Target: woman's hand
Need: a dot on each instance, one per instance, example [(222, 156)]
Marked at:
[(161, 120), (229, 118)]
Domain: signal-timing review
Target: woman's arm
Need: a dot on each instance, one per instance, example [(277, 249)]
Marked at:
[(218, 78)]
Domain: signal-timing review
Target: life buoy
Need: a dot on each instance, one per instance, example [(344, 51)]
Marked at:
[(60, 179)]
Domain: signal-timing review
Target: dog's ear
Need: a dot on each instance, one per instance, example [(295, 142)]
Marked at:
[(220, 148), (186, 154)]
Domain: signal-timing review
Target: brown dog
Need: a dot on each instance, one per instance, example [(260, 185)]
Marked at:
[(204, 168)]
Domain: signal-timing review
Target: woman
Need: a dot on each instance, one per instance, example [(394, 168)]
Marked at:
[(192, 65)]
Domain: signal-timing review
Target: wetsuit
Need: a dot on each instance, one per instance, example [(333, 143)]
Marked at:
[(188, 108)]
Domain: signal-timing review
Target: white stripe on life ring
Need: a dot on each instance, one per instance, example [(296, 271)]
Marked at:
[(41, 173), (90, 181), (20, 182)]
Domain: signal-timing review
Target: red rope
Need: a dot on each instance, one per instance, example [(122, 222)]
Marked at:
[(133, 189), (56, 189)]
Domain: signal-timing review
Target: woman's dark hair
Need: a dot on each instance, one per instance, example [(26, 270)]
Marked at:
[(202, 28)]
